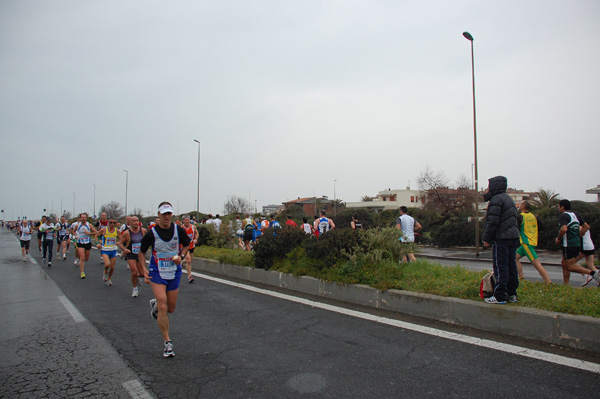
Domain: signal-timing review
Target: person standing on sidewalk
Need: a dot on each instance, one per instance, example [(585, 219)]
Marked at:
[(408, 225), (572, 228), (170, 244), (502, 233), (528, 231)]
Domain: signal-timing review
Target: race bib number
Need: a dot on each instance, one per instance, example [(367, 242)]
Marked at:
[(62, 232), (84, 240), (135, 248), (49, 235), (111, 242), (166, 266)]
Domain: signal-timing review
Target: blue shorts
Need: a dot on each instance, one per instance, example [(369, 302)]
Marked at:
[(111, 254), (172, 285)]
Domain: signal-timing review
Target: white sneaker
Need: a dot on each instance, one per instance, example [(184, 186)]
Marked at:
[(105, 276), (109, 283), (586, 279), (134, 293)]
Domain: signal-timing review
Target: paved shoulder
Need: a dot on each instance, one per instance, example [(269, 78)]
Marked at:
[(48, 348)]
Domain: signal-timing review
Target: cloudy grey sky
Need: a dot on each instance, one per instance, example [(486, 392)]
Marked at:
[(288, 96)]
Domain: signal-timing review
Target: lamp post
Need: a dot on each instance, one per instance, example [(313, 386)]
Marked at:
[(469, 37), (334, 199), (126, 186), (73, 205), (94, 199), (198, 194)]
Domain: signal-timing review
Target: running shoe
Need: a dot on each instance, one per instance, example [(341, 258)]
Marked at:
[(64, 257), (513, 299), (82, 275), (169, 349), (109, 283), (153, 308), (135, 292), (49, 264), (493, 300), (76, 263), (24, 259), (105, 276), (596, 277), (190, 279), (586, 279)]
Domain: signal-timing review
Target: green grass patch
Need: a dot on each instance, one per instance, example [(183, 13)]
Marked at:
[(421, 276)]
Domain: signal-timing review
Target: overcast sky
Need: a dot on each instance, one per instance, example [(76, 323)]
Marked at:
[(287, 97)]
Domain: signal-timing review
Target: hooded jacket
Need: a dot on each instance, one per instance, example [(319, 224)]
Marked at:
[(501, 216)]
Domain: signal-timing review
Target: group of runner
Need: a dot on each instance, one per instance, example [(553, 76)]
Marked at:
[(172, 246)]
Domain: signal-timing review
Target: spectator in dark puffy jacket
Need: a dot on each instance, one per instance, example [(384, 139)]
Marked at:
[(502, 232)]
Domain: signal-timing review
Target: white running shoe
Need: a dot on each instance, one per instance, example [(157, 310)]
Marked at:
[(109, 283), (168, 349), (135, 292), (586, 279)]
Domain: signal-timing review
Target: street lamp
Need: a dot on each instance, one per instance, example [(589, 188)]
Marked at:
[(469, 37), (73, 205), (126, 186), (198, 194), (334, 199), (94, 199)]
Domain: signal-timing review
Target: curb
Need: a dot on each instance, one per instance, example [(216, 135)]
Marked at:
[(579, 332), (464, 258)]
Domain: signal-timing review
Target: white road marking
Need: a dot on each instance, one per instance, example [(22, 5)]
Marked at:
[(71, 309), (508, 348), (136, 390)]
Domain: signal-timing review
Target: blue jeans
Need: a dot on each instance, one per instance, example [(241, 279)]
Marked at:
[(505, 268)]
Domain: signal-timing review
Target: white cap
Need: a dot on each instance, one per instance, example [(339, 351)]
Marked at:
[(166, 208)]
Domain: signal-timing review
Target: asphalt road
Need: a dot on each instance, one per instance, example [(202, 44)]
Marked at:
[(235, 343)]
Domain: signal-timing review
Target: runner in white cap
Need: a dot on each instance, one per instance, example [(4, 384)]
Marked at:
[(170, 244)]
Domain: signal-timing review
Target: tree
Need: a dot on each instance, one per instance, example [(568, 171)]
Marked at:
[(237, 204), (439, 196), (136, 212), (113, 210), (545, 199), (366, 198)]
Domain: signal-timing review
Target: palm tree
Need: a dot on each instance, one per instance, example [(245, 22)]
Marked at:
[(545, 199), (366, 198)]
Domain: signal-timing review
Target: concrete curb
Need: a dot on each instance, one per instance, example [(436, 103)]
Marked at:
[(471, 259), (580, 332)]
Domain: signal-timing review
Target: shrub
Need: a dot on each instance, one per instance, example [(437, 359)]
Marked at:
[(454, 232), (330, 247), (274, 246)]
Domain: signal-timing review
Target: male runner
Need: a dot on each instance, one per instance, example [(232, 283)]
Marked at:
[(164, 271), (37, 226), (528, 230), (110, 236), (47, 229), (84, 231), (24, 238), (130, 243), (62, 237), (192, 233)]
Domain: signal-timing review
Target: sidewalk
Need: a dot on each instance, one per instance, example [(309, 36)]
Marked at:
[(547, 258), (48, 348)]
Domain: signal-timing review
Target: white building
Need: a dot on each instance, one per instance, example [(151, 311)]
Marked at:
[(390, 200)]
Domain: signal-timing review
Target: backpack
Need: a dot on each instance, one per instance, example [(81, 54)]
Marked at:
[(486, 288)]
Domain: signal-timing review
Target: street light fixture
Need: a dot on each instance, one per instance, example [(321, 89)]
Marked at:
[(126, 186), (334, 199), (198, 194), (94, 199), (469, 37)]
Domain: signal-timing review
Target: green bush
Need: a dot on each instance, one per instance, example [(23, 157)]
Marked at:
[(454, 232), (327, 249), (275, 245)]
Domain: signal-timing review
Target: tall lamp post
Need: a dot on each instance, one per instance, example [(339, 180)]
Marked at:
[(198, 193), (126, 186), (469, 37), (94, 199), (334, 199), (73, 205)]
